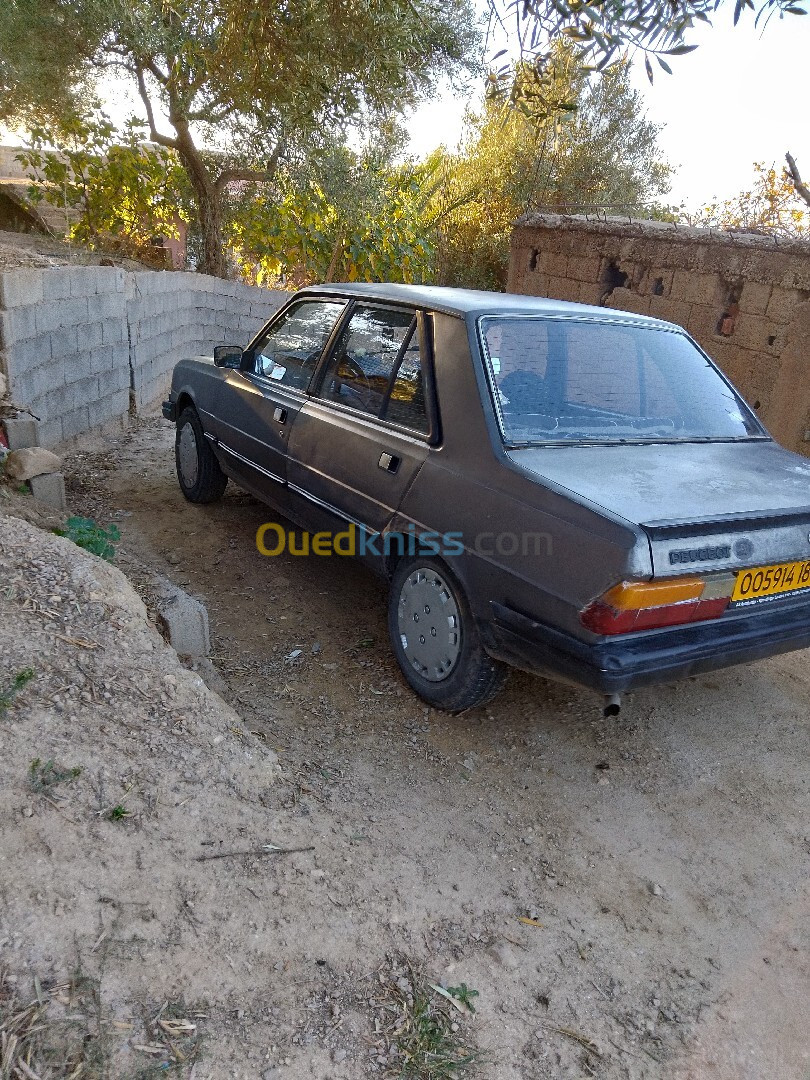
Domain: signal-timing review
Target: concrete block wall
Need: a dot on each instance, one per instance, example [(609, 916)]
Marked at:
[(80, 346), (745, 298)]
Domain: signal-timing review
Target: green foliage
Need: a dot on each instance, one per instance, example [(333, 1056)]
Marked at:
[(602, 32), (464, 995), (770, 205), (87, 534), (18, 683), (428, 1046), (582, 143), (125, 192), (253, 77), (44, 775), (118, 813), (358, 217)]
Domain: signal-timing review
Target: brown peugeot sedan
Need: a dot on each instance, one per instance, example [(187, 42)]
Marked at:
[(575, 491)]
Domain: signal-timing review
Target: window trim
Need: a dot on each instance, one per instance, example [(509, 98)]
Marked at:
[(251, 368), (432, 435)]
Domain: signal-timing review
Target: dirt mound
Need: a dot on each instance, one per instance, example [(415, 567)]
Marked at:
[(121, 771)]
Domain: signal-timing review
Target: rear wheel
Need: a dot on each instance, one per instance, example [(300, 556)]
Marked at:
[(198, 473), (436, 641)]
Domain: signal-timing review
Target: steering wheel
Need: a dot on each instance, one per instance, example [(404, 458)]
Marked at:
[(350, 366)]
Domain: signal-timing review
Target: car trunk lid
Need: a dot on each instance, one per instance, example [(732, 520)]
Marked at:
[(704, 506)]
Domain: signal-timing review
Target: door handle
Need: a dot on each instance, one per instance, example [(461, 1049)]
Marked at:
[(280, 415), (388, 462)]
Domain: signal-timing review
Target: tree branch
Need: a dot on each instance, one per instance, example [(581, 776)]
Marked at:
[(154, 134), (256, 176), (798, 183)]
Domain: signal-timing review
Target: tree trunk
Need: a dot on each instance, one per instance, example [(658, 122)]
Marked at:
[(208, 198)]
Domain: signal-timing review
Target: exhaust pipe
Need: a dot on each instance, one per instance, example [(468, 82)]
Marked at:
[(612, 705)]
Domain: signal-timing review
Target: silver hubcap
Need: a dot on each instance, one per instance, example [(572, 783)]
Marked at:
[(187, 457), (429, 625)]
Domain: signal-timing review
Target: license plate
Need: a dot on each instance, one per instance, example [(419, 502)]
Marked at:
[(762, 582)]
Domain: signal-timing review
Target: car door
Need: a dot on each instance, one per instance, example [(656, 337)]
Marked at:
[(360, 440), (261, 402)]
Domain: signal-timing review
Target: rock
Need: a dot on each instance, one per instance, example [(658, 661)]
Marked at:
[(656, 890), (338, 1055), (27, 811), (32, 461)]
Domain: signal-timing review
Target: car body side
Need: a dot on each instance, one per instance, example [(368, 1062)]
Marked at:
[(536, 551)]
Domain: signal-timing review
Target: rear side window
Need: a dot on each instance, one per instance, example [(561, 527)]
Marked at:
[(376, 367), (290, 350)]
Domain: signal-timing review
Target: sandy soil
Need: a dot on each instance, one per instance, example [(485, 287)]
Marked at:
[(661, 859)]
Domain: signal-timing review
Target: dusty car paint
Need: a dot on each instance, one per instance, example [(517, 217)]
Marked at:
[(607, 513)]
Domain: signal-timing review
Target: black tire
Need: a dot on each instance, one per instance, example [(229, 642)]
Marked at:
[(198, 473), (466, 676)]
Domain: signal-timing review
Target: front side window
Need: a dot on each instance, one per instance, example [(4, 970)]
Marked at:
[(559, 380), (290, 350), (376, 367)]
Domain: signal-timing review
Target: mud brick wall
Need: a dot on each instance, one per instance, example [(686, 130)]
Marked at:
[(82, 347), (745, 298)]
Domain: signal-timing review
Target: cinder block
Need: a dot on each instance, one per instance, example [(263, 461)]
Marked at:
[(106, 306), (65, 343), (56, 283), (110, 382), (61, 313), (21, 432), (75, 422), (184, 621), (49, 488), (22, 357), (17, 324), (50, 432), (20, 288)]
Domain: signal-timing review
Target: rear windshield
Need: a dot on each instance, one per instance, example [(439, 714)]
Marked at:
[(561, 380)]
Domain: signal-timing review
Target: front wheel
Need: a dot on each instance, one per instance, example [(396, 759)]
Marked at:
[(436, 641), (198, 473)]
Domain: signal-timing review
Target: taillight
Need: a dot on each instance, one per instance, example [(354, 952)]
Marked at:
[(646, 605)]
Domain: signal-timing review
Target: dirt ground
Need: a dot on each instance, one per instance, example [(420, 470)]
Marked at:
[(628, 897)]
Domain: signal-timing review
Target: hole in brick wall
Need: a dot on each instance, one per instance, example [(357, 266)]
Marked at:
[(728, 320), (533, 259), (613, 277), (658, 287)]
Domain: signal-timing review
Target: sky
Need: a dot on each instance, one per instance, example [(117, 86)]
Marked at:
[(740, 97)]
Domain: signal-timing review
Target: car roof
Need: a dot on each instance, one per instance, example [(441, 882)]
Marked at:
[(475, 302)]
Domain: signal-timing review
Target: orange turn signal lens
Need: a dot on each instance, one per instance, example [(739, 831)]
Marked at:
[(650, 605), (633, 595)]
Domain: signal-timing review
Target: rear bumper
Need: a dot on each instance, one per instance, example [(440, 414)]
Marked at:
[(624, 662)]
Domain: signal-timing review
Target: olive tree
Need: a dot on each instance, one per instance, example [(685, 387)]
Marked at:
[(229, 85)]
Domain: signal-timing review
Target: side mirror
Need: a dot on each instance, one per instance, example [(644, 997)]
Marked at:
[(229, 356)]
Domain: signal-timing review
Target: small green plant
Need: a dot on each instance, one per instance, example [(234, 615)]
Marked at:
[(88, 534), (20, 680), (45, 775), (118, 813), (22, 489), (464, 995), (429, 1047)]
